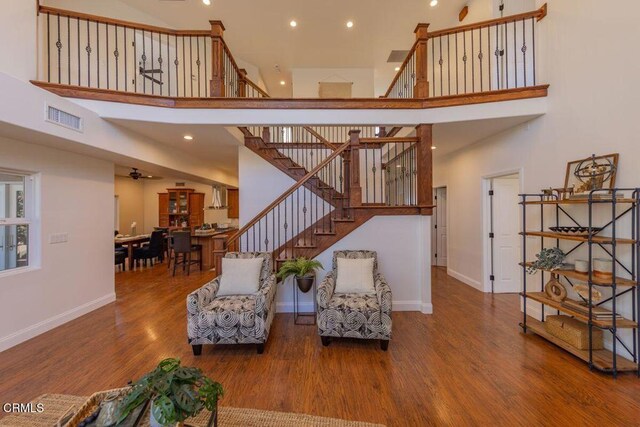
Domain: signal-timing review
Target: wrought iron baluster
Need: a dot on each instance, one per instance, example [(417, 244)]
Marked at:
[(440, 62), (184, 69), (144, 61), (448, 64), (98, 53), (68, 50), (152, 71), (191, 64), (88, 50), (497, 54), (473, 64), (116, 54), (515, 55), (79, 60), (107, 54), (198, 64), (48, 47), (464, 58), (59, 48), (524, 52), (480, 55)]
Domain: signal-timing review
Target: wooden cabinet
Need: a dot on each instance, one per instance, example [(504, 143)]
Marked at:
[(233, 202), (179, 205)]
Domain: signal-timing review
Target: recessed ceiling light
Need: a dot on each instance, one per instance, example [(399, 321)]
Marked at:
[(433, 147), (282, 82), (349, 24), (397, 68), (293, 24), (207, 2), (433, 3), (149, 176), (188, 137)]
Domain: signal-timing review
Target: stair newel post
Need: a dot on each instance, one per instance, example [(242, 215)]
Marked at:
[(219, 250), (266, 135), (424, 164), (217, 59), (355, 190), (242, 83), (421, 88)]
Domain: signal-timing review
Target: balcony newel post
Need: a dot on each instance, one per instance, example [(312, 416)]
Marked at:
[(424, 163), (355, 190), (242, 83), (421, 88), (217, 59)]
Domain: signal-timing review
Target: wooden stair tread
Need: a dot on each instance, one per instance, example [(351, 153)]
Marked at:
[(602, 359), (343, 219)]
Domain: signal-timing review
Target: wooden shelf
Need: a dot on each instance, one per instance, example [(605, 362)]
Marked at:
[(577, 201), (602, 359), (563, 236), (544, 299), (584, 277)]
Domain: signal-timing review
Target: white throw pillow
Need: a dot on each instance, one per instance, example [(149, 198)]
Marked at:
[(355, 276), (240, 276)]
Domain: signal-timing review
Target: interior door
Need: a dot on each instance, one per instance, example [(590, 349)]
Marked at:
[(506, 245)]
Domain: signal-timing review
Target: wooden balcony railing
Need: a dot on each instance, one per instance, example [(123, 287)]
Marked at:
[(95, 52), (487, 56)]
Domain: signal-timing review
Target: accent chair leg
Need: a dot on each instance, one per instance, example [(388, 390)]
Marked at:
[(384, 345), (325, 341), (197, 349), (260, 348)]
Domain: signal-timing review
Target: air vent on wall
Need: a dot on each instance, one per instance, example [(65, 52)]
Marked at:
[(180, 184), (63, 118)]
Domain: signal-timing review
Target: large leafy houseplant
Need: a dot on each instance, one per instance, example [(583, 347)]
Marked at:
[(302, 269), (176, 393)]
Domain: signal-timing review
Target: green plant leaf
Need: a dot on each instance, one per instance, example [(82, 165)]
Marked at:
[(163, 410), (168, 365), (186, 397), (298, 267)]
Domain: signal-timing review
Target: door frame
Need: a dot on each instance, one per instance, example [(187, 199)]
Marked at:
[(434, 232), (486, 221)]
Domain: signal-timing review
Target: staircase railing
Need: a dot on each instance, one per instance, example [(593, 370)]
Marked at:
[(309, 207), (486, 56), (91, 51)]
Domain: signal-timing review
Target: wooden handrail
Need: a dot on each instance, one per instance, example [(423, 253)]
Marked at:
[(287, 193), (256, 87), (538, 14), (402, 67), (121, 23), (320, 137), (388, 139)]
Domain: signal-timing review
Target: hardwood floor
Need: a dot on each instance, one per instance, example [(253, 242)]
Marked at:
[(467, 364)]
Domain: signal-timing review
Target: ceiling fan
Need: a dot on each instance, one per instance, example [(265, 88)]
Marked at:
[(135, 174)]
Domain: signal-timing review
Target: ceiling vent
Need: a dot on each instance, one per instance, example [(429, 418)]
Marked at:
[(397, 55), (62, 118)]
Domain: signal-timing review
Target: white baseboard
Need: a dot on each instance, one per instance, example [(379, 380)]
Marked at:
[(427, 308), (287, 307), (465, 279), (52, 322)]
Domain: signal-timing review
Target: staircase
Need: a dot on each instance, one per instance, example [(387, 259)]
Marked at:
[(344, 177)]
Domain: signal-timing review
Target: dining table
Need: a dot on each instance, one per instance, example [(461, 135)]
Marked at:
[(132, 242)]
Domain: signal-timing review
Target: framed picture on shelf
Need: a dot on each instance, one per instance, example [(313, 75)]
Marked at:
[(591, 173)]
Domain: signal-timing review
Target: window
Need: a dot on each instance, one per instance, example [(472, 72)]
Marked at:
[(15, 220)]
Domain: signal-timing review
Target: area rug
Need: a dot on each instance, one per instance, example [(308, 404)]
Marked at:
[(55, 405)]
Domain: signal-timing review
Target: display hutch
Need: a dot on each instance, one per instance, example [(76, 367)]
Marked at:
[(611, 223), (180, 205)]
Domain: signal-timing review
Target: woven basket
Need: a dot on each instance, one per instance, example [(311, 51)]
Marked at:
[(573, 332), (92, 404)]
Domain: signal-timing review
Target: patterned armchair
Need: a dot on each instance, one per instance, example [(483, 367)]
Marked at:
[(233, 319), (366, 316)]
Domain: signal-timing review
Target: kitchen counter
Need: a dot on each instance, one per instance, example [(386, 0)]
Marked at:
[(206, 239)]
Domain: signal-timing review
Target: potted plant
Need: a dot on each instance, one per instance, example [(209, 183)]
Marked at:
[(302, 269), (549, 259), (176, 393)]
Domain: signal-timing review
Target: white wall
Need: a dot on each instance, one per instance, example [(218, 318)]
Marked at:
[(305, 81), (402, 242), (18, 57), (76, 197), (586, 115)]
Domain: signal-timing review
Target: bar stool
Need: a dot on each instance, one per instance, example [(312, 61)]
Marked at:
[(182, 245)]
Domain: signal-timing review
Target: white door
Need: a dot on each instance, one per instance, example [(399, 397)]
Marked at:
[(506, 241), (439, 228)]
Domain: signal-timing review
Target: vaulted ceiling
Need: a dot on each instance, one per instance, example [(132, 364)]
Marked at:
[(258, 31)]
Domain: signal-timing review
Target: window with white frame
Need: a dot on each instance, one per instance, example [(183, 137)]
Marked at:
[(16, 214)]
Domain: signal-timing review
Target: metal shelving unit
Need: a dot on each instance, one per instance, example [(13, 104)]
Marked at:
[(620, 204)]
